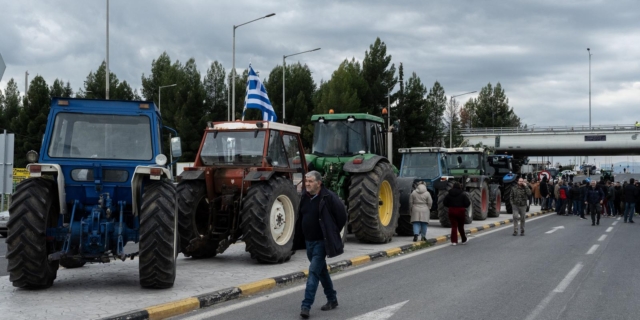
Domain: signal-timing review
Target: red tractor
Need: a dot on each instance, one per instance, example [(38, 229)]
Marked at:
[(244, 185)]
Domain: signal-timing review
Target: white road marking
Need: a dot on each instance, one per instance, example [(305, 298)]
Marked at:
[(3, 256), (593, 249), (259, 299), (554, 229), (616, 219), (613, 224), (609, 229), (381, 314), (559, 289), (604, 236)]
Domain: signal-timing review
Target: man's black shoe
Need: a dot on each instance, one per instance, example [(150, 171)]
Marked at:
[(631, 221), (304, 313), (330, 305)]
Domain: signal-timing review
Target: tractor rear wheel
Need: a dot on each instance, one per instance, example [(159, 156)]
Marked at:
[(443, 212), (34, 209), (507, 197), (193, 220), (495, 203), (374, 204), (480, 202), (158, 235), (269, 214), (405, 227)]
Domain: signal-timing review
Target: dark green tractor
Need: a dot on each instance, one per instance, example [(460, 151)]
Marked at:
[(348, 150)]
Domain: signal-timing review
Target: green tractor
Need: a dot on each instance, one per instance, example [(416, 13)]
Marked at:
[(468, 166), (348, 150)]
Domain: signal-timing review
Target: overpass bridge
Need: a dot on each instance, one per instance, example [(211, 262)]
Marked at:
[(606, 140)]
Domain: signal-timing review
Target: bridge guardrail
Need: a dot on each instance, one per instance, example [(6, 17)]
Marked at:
[(533, 129)]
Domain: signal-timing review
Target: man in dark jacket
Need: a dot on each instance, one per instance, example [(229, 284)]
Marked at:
[(630, 193), (544, 193), (575, 196), (583, 193), (519, 195), (593, 199), (322, 217)]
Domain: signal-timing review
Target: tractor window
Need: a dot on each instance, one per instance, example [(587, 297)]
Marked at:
[(468, 161), (374, 140), (292, 149), (99, 136), (233, 147), (276, 155), (420, 165), (339, 138)]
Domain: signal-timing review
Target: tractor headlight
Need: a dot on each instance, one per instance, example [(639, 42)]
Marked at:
[(32, 156), (161, 159)]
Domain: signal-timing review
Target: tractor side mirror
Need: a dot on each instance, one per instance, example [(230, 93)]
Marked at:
[(176, 147)]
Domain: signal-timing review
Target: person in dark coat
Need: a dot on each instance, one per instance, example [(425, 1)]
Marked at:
[(457, 202), (630, 193), (544, 193), (618, 200), (593, 199), (583, 192), (575, 196), (322, 217)]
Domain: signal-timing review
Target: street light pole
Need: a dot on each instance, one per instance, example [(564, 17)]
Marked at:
[(451, 119), (107, 61), (589, 50), (389, 135), (284, 72), (233, 68)]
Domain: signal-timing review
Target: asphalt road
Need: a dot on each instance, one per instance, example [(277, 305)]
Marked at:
[(578, 271)]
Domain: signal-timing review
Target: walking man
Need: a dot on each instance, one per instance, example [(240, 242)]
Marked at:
[(519, 196), (630, 195), (611, 199), (322, 217), (593, 199)]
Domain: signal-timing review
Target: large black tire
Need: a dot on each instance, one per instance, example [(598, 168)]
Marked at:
[(507, 197), (269, 214), (443, 212), (495, 203), (405, 227), (72, 263), (193, 219), (34, 208), (374, 204), (480, 202), (158, 243)]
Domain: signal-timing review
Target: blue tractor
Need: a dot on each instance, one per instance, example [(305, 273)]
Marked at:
[(419, 164), (99, 182), (504, 171)]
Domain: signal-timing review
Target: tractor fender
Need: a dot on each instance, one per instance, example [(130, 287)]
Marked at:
[(192, 175), (259, 175), (136, 183), (366, 165), (405, 187), (52, 169), (509, 178)]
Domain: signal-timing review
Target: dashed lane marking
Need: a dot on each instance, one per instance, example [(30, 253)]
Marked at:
[(593, 249), (609, 229), (604, 236), (613, 224)]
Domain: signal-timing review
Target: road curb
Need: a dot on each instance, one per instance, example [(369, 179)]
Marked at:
[(182, 306)]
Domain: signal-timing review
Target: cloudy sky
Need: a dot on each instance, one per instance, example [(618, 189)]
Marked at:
[(536, 49)]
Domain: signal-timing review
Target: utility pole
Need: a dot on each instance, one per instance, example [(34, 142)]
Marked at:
[(107, 62), (589, 50), (26, 82)]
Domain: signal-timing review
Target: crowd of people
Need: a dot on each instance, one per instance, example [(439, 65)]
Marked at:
[(604, 198)]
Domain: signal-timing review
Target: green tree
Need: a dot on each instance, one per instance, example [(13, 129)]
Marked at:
[(492, 109), (32, 119), (414, 116), (59, 89), (341, 92), (216, 104), (12, 106), (94, 86), (190, 118), (436, 105), (452, 119), (3, 106), (379, 74)]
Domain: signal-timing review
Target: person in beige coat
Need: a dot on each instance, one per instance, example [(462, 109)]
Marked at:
[(420, 203)]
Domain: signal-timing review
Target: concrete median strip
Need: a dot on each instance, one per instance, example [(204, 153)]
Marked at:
[(183, 306)]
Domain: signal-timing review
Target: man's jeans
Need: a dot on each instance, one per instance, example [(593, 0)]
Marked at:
[(317, 273), (612, 208), (629, 210), (420, 228), (577, 207), (519, 216)]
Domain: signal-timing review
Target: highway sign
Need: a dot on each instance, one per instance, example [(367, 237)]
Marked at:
[(544, 173)]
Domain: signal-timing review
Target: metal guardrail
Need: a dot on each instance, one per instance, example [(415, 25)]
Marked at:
[(543, 129)]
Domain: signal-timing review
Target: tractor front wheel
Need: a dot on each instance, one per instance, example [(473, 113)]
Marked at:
[(480, 202), (269, 214), (193, 220), (374, 204), (405, 227), (158, 236), (495, 203), (33, 209), (507, 197)]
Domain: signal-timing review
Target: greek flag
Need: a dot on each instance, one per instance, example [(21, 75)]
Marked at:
[(257, 98)]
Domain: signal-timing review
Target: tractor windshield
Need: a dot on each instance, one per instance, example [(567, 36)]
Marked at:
[(339, 138), (420, 165), (233, 147), (463, 161), (100, 136)]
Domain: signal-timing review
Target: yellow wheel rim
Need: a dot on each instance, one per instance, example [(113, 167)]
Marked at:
[(385, 203)]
